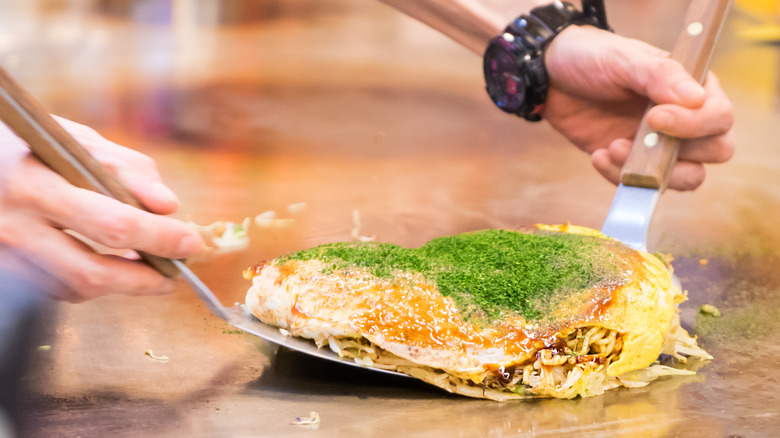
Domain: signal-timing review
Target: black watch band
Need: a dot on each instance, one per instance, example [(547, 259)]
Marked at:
[(515, 75)]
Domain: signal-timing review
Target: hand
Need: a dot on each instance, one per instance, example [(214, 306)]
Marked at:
[(600, 85), (36, 205)]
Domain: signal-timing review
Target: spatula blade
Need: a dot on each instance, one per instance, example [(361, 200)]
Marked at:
[(629, 216), (243, 320)]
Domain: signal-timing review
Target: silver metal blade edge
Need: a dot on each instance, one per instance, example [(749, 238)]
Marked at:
[(629, 216), (241, 319), (205, 294)]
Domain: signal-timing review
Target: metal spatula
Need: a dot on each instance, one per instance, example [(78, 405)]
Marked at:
[(647, 170)]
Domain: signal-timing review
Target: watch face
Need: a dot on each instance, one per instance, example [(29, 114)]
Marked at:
[(506, 85)]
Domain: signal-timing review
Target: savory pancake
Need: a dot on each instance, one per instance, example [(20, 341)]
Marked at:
[(553, 311)]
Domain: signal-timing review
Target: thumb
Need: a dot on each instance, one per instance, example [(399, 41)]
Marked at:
[(152, 192), (665, 81)]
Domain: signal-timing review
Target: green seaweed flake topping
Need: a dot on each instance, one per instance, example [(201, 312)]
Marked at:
[(488, 272)]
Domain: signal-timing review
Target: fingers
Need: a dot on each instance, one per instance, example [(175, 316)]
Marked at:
[(603, 163), (151, 191), (37, 204), (714, 117), (686, 175), (599, 73), (707, 127), (669, 83), (102, 219), (119, 225), (706, 133), (710, 150), (137, 171), (707, 150), (82, 273), (662, 79)]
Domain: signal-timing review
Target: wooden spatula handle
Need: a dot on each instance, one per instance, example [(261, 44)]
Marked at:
[(56, 148), (653, 154)]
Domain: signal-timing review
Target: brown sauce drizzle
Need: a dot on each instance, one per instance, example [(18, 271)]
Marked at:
[(414, 313)]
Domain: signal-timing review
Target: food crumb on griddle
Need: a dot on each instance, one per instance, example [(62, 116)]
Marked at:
[(710, 310), (312, 421), (152, 356)]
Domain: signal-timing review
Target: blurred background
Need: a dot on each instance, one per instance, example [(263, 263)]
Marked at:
[(344, 105)]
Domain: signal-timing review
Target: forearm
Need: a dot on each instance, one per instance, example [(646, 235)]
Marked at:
[(472, 23)]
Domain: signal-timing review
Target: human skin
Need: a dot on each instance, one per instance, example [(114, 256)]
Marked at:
[(600, 86), (36, 205)]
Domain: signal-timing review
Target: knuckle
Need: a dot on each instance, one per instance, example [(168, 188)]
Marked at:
[(10, 223), (117, 228), (665, 69), (93, 279), (667, 65), (142, 161), (139, 161), (16, 193), (22, 188)]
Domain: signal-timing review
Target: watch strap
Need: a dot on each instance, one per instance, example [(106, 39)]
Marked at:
[(525, 39)]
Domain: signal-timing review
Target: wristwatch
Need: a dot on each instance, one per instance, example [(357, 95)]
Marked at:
[(515, 75)]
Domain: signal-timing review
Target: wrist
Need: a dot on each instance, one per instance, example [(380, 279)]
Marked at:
[(514, 62)]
